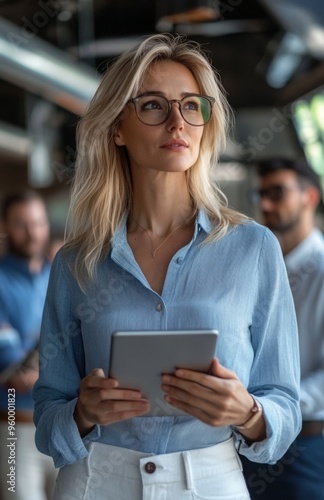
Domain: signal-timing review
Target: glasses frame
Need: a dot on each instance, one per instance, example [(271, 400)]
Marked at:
[(256, 195), (210, 99)]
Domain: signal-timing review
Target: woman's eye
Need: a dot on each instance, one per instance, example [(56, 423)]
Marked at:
[(191, 105), (150, 105)]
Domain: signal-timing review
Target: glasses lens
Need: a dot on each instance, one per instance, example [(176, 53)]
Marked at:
[(196, 110), (274, 193), (152, 109)]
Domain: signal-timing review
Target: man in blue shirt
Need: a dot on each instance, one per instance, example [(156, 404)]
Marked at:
[(24, 273), (289, 194)]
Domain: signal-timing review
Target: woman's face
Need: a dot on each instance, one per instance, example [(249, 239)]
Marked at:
[(172, 146)]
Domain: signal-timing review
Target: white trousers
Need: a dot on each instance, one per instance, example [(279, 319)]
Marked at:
[(34, 474), (113, 473)]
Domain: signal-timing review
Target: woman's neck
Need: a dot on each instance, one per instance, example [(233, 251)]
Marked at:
[(161, 204)]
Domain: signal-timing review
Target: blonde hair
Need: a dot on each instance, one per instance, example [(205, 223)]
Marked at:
[(102, 191)]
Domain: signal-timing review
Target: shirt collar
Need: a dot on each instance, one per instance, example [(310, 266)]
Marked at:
[(309, 245), (202, 221)]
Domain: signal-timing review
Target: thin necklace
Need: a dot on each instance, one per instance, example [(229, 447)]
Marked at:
[(154, 250)]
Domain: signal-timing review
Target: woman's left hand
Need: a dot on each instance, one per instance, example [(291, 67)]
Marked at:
[(218, 399)]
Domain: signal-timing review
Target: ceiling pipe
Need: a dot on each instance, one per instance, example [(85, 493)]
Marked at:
[(305, 19), (14, 141), (44, 70)]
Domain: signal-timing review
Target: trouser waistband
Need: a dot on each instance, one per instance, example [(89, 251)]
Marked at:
[(191, 465)]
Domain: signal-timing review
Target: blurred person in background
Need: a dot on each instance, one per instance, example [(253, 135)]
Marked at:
[(288, 195), (24, 272)]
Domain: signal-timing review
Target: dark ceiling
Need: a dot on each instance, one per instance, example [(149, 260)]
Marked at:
[(242, 42), (237, 56)]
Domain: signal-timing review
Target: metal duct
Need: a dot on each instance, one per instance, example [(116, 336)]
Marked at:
[(14, 141), (305, 19), (35, 65)]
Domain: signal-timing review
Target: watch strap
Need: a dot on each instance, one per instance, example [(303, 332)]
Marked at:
[(255, 413)]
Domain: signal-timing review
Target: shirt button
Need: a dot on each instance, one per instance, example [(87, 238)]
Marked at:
[(159, 307), (150, 467), (179, 260)]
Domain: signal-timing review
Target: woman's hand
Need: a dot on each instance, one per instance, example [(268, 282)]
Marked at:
[(101, 402), (219, 399)]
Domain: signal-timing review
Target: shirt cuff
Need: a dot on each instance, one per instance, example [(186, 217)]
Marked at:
[(68, 446)]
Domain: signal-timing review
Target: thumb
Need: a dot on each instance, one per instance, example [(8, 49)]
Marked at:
[(220, 371), (98, 372)]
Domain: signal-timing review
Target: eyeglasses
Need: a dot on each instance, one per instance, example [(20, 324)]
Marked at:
[(154, 109), (274, 193)]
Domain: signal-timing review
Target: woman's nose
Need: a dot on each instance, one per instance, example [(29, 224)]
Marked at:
[(175, 119)]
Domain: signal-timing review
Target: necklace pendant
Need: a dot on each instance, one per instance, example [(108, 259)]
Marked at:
[(154, 250)]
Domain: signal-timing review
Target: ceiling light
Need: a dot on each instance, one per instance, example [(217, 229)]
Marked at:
[(172, 12)]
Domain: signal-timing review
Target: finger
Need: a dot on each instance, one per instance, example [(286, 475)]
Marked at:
[(183, 388), (110, 412), (198, 413), (98, 372), (102, 395), (220, 371), (123, 415), (121, 395), (203, 410), (122, 406), (93, 381), (184, 377), (218, 392), (197, 397)]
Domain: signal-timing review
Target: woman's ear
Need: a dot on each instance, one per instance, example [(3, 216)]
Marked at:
[(118, 137)]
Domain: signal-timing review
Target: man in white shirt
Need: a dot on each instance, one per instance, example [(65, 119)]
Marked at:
[(288, 195)]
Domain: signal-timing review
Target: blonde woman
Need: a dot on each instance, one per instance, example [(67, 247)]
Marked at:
[(153, 246)]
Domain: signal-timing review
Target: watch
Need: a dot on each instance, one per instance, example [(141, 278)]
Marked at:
[(256, 411)]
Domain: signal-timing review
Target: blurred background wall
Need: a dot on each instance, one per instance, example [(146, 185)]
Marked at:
[(269, 53)]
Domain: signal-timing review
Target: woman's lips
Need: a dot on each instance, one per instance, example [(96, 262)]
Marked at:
[(175, 145)]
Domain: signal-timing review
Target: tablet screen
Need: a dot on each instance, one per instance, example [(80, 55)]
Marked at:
[(139, 358)]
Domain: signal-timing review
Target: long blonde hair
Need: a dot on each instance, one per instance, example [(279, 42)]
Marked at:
[(102, 190)]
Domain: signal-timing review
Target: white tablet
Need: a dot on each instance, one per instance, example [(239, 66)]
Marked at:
[(139, 358)]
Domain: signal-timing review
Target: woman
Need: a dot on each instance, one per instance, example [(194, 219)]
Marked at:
[(153, 246)]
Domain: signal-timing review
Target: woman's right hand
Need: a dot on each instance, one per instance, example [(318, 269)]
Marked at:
[(101, 402)]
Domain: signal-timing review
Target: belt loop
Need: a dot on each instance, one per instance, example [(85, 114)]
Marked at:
[(188, 471)]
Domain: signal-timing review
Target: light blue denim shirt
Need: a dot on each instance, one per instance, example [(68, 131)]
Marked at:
[(237, 285)]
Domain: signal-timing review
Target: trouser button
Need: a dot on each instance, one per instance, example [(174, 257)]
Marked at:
[(150, 467)]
